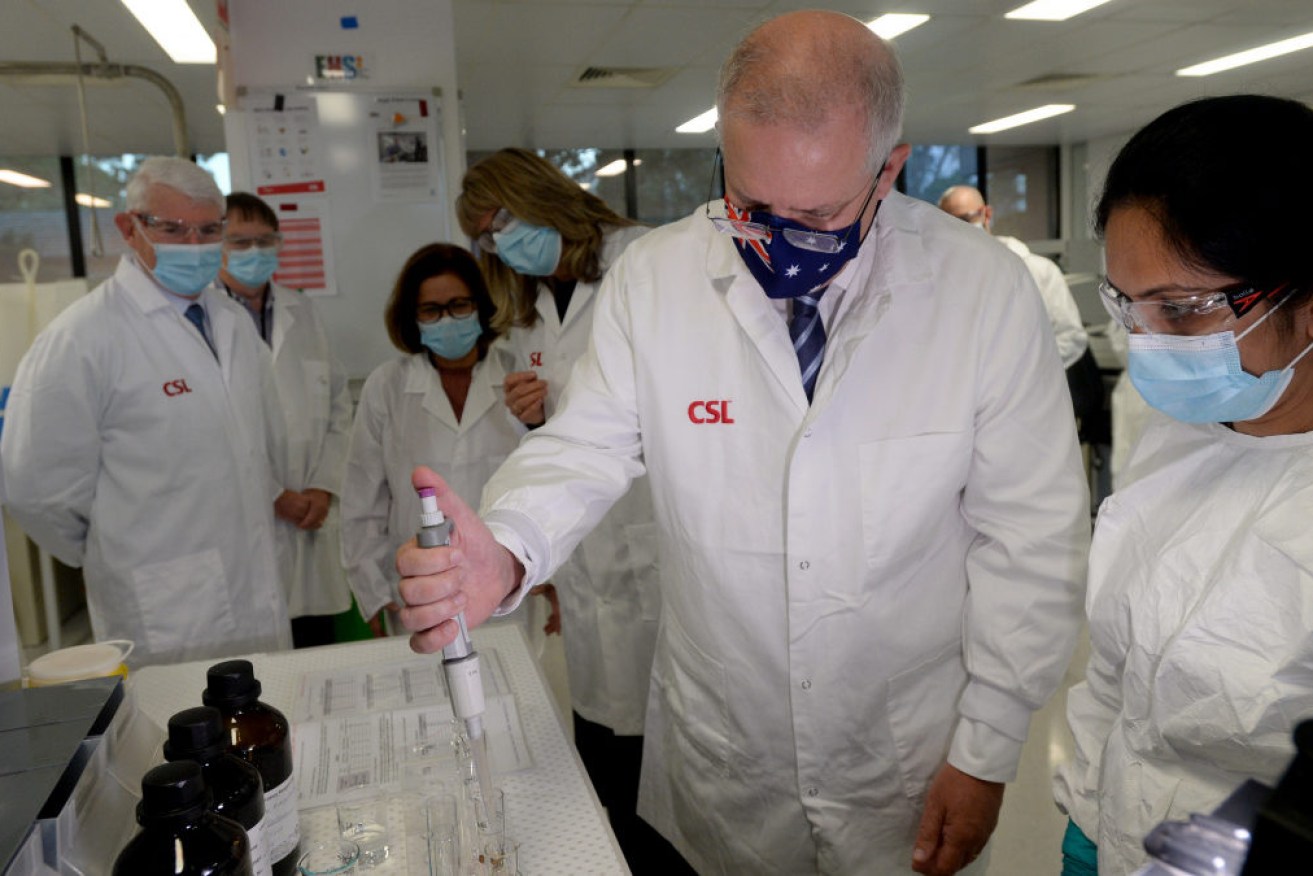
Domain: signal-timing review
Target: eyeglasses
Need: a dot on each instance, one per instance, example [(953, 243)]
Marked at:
[(261, 241), (176, 230), (738, 226), (1201, 314), (501, 220), (457, 307)]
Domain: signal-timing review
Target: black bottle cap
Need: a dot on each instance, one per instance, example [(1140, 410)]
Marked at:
[(172, 790), (230, 684), (195, 734)]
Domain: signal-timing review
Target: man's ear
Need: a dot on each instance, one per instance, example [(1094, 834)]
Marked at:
[(123, 222), (892, 168)]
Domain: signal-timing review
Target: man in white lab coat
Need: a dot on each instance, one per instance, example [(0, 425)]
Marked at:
[(872, 511), (967, 204), (1083, 376), (141, 435), (317, 408)]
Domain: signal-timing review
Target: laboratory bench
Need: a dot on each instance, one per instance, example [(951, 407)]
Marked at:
[(553, 815)]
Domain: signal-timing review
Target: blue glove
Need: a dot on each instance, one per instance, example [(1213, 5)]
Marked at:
[(1080, 857)]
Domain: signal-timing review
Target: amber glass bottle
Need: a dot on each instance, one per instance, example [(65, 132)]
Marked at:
[(261, 736), (179, 835), (198, 735)]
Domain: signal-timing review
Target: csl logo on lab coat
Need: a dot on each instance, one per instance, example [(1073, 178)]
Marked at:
[(710, 411), (536, 360), (175, 387)]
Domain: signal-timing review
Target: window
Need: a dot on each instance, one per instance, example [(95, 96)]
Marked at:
[(931, 169), (1022, 187), (34, 218), (672, 183)]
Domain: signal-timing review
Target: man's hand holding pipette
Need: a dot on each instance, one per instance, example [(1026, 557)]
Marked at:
[(474, 575)]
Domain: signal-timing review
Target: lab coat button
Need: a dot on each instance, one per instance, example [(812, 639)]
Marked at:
[(807, 433), (806, 684), (813, 792), (804, 565)]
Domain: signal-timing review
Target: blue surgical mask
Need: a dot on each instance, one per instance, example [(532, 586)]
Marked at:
[(451, 337), (187, 268), (253, 267), (784, 270), (1198, 378), (527, 249)]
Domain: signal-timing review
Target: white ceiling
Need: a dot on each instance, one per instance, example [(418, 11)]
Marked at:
[(516, 59)]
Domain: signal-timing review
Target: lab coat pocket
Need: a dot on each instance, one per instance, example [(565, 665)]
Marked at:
[(184, 604), (692, 688), (923, 716), (908, 486)]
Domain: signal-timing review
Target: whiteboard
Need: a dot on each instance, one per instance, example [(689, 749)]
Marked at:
[(377, 213)]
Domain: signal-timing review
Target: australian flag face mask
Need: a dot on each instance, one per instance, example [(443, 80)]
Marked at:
[(787, 258)]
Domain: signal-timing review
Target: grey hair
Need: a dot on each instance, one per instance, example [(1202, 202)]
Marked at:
[(767, 82), (176, 173)]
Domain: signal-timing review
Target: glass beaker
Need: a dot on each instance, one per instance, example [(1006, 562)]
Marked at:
[(333, 858)]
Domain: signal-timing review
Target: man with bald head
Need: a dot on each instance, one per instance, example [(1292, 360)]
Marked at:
[(871, 511)]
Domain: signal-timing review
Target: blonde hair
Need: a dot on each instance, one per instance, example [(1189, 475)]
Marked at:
[(533, 190)]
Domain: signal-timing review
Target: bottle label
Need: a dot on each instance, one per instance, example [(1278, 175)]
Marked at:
[(281, 828), (261, 862)]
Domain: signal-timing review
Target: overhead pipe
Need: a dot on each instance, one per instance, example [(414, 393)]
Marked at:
[(108, 72)]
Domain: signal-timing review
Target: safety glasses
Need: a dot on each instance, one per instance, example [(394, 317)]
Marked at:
[(1203, 313)]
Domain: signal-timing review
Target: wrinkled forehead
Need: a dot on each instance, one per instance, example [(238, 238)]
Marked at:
[(795, 168)]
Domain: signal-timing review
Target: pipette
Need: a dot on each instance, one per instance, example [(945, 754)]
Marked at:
[(460, 662)]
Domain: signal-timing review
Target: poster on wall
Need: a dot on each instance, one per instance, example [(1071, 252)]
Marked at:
[(284, 148), (305, 262), (404, 145)]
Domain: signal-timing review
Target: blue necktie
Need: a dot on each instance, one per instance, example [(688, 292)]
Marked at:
[(196, 315), (808, 334)]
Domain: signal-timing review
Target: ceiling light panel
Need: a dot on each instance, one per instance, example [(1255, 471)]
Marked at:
[(895, 23), (22, 180), (699, 124), (1016, 120), (1053, 10), (173, 25), (1250, 56)]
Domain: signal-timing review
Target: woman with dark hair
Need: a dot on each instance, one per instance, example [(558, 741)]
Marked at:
[(438, 405), (1200, 594)]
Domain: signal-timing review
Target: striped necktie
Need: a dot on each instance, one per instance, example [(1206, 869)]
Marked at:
[(196, 316), (808, 334)]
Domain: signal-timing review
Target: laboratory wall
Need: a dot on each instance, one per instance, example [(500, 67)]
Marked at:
[(355, 83)]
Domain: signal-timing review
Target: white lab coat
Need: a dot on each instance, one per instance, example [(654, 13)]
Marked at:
[(404, 419), (852, 591), (609, 588), (1201, 632), (1064, 315), (130, 452), (317, 411)]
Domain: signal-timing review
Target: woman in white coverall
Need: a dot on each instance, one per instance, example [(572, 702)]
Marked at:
[(312, 388), (545, 245), (439, 405), (1201, 572)]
